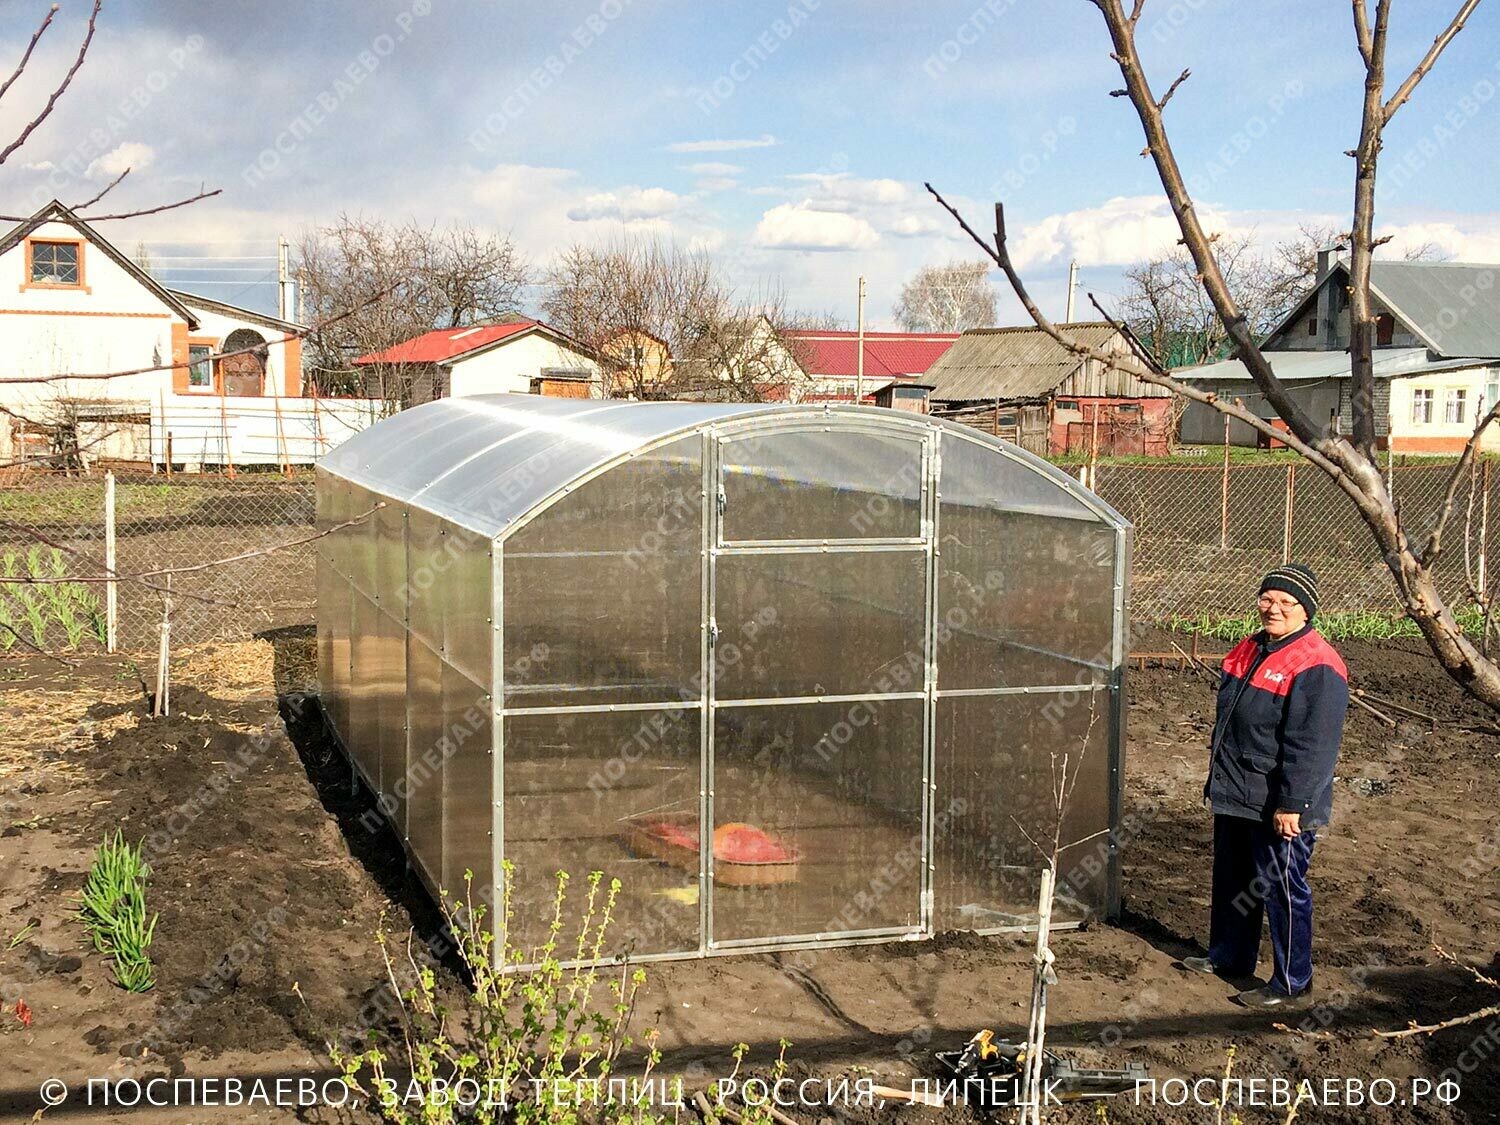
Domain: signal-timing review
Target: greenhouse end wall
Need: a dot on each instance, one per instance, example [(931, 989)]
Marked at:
[(857, 646)]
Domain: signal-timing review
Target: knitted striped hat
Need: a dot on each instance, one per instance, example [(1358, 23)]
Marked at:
[(1297, 580)]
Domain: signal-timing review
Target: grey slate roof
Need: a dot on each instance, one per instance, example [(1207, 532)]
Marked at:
[(1295, 367), (1022, 363), (1455, 305)]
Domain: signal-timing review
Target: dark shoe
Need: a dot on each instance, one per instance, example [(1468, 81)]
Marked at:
[(1267, 998)]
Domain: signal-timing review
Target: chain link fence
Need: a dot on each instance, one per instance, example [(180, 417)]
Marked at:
[(1204, 535), (54, 527)]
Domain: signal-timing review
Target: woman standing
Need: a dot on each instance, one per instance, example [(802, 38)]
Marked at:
[(1281, 706)]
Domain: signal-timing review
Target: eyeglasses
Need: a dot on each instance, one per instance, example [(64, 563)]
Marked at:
[(1283, 604)]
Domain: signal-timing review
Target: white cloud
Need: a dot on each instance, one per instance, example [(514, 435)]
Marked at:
[(726, 145), (796, 226), (716, 183), (1123, 230), (915, 226), (840, 185), (1468, 243), (628, 205), (132, 154), (714, 168)]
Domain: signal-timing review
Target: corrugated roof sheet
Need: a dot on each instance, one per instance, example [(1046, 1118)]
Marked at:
[(1007, 363), (1294, 367), (1456, 305), (445, 343), (886, 353)]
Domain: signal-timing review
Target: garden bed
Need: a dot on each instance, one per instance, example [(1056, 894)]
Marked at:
[(268, 875)]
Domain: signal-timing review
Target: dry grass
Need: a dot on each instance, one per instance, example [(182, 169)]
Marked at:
[(240, 670)]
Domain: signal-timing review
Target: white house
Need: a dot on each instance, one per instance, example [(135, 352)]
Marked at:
[(1436, 353), (100, 361), (523, 357)]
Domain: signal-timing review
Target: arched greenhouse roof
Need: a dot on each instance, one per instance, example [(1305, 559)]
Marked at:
[(484, 462)]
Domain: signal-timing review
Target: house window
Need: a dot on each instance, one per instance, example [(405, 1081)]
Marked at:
[(55, 263), (1453, 407), (1067, 404), (1128, 408), (200, 367), (1421, 405), (1312, 326), (1491, 388)]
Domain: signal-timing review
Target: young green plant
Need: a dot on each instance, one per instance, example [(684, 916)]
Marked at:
[(113, 907)]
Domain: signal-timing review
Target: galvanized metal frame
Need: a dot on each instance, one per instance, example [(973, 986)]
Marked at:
[(712, 437)]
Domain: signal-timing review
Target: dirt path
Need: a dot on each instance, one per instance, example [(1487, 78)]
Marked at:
[(266, 876)]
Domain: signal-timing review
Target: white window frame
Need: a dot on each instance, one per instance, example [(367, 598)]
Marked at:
[(1421, 406), (200, 388), (1455, 405)]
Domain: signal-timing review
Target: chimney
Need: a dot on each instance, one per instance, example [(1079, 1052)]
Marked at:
[(1326, 257)]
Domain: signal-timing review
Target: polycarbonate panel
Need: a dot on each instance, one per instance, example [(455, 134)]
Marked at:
[(1026, 600), (615, 792), (838, 788), (334, 610), (361, 540), (980, 476), (362, 736), (468, 780), (424, 787), (995, 758), (389, 672), (603, 589), (426, 563), (824, 483), (466, 590), (390, 558), (820, 623)]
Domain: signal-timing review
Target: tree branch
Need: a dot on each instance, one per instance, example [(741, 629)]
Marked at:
[(61, 87), (1362, 33), (26, 57), (129, 214), (1404, 91), (1159, 147), (1172, 89), (109, 187)]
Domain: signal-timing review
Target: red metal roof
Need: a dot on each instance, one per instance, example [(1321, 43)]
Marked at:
[(886, 353), (445, 343)]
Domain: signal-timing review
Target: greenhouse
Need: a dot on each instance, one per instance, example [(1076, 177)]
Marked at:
[(795, 675)]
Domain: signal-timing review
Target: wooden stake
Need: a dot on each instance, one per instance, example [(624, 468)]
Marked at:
[(1291, 492), (224, 428), (1224, 493), (1484, 524), (286, 460), (1036, 1035), (169, 454), (111, 587), (163, 655), (1094, 447), (322, 443)]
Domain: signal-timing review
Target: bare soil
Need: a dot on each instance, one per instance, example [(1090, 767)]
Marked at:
[(267, 875)]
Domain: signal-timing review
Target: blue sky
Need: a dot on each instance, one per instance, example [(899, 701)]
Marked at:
[(789, 138)]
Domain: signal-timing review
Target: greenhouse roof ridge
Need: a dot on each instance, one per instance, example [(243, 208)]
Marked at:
[(484, 462)]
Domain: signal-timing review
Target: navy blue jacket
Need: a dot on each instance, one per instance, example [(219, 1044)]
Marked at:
[(1280, 720)]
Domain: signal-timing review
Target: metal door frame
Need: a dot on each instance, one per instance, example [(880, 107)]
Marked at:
[(714, 545)]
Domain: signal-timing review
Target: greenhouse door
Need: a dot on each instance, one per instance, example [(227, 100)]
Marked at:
[(818, 685)]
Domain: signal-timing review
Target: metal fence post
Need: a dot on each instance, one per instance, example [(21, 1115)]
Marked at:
[(1484, 526), (111, 593)]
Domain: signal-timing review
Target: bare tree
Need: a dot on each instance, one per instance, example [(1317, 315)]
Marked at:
[(405, 279), (1410, 553), (667, 323), (949, 298)]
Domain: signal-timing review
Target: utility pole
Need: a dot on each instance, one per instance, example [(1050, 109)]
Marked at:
[(1072, 285), (859, 358), (283, 302)]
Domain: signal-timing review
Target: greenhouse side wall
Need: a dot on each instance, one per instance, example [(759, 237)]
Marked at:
[(406, 673), (1027, 598)]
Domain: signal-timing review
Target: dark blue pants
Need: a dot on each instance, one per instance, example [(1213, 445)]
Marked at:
[(1257, 872)]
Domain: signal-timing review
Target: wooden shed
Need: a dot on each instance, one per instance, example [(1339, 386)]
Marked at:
[(1023, 386)]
